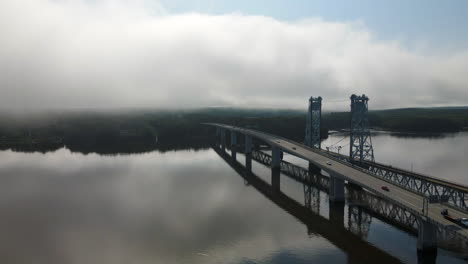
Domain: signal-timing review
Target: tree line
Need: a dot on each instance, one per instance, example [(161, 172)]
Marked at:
[(147, 130)]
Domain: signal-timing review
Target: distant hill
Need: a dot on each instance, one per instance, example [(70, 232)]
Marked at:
[(137, 131), (430, 120), (450, 107)]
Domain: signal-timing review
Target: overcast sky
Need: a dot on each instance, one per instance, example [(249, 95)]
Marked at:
[(182, 54)]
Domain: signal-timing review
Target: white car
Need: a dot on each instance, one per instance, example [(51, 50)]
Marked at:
[(463, 222), (329, 163)]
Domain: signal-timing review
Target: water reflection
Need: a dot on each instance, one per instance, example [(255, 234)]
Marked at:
[(363, 205), (358, 250), (184, 207), (175, 207)]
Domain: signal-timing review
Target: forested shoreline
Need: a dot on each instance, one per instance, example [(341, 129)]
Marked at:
[(147, 130)]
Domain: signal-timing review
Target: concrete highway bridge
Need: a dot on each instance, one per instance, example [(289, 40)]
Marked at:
[(413, 201), (357, 249)]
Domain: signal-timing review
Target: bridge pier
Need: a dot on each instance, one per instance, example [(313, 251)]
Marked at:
[(276, 157), (275, 167), (233, 144), (337, 193), (313, 169), (336, 213), (427, 257), (218, 136), (275, 179), (248, 152), (427, 242), (223, 138)]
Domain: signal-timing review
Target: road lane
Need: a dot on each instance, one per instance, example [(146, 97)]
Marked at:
[(399, 195)]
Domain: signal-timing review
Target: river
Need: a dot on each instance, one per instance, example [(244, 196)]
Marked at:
[(192, 207)]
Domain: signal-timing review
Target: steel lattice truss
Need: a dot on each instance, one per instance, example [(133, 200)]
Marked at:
[(413, 182), (314, 115), (359, 221), (405, 219), (389, 211), (294, 171), (424, 185), (311, 198), (360, 145)]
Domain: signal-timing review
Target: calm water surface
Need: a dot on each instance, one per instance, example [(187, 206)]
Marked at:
[(191, 207)]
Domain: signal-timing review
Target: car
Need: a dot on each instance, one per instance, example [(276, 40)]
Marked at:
[(329, 163), (294, 148), (385, 188), (463, 222)]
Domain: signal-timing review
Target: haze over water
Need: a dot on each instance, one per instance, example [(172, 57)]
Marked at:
[(186, 207)]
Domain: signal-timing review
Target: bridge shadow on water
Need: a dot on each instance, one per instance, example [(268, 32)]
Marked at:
[(351, 239)]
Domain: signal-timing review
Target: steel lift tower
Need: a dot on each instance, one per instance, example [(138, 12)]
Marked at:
[(314, 116), (360, 145)]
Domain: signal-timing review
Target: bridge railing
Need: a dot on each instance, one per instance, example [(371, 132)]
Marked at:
[(384, 209), (451, 194)]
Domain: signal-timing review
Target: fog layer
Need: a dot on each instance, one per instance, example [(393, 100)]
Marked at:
[(108, 54)]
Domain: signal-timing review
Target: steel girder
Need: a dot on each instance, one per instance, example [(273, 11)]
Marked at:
[(359, 220), (385, 209), (414, 182), (450, 195), (293, 171), (406, 219)]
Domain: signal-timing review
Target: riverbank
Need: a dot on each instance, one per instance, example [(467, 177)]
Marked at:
[(135, 131)]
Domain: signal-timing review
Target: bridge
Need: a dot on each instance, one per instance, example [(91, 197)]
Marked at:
[(413, 201), (403, 206), (358, 250)]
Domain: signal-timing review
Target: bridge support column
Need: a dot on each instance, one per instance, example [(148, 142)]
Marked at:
[(313, 169), (223, 138), (427, 257), (336, 189), (233, 144), (336, 213), (218, 136), (275, 179), (276, 158), (248, 152), (427, 242), (275, 167)]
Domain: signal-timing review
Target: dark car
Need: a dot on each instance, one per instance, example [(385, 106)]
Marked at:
[(385, 188), (444, 212)]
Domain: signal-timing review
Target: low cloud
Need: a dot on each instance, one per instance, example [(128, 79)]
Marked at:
[(112, 54)]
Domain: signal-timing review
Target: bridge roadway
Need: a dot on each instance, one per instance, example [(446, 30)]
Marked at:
[(410, 200), (358, 250)]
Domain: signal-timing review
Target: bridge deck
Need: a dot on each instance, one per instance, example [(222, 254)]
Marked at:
[(398, 195), (358, 250)]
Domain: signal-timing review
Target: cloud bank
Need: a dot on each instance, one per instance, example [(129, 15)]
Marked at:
[(112, 54)]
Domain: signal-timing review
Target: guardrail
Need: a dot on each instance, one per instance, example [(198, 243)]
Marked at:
[(454, 195), (384, 209), (436, 190)]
